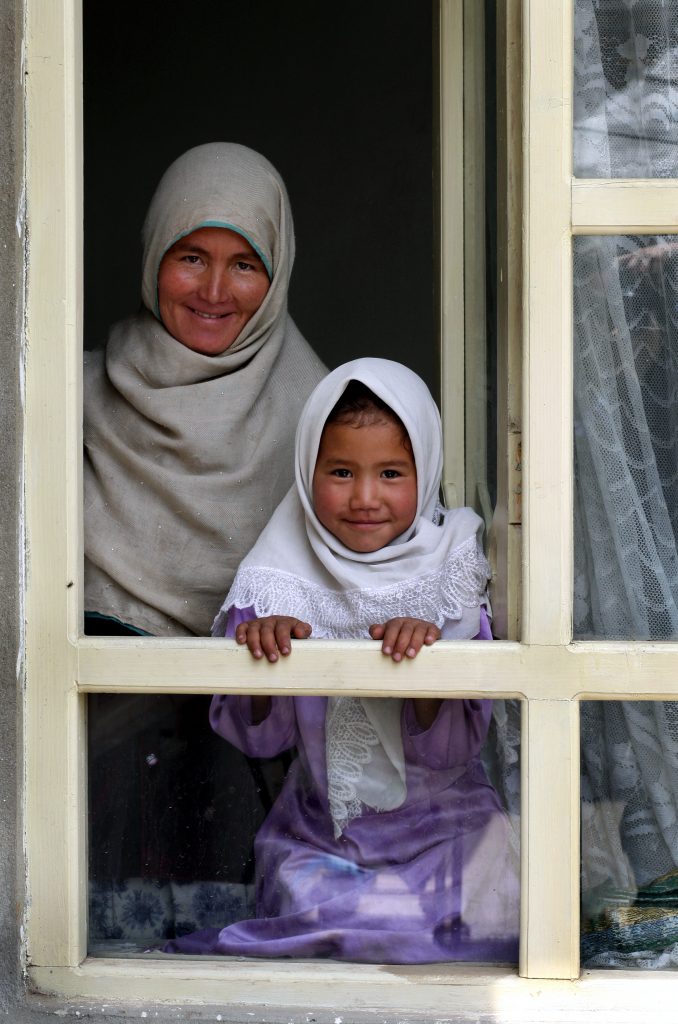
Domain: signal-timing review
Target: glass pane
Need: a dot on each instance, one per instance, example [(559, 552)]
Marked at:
[(277, 825), (626, 437), (625, 95), (328, 105), (629, 834), (185, 458)]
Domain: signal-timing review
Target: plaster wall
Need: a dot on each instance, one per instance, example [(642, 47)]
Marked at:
[(11, 312)]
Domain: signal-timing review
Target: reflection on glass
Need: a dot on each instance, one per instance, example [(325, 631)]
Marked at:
[(626, 437), (163, 793), (630, 834), (331, 828), (625, 95)]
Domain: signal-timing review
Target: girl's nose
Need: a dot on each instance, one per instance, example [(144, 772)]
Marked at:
[(365, 493)]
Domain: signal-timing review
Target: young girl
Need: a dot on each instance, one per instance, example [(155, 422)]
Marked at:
[(387, 842)]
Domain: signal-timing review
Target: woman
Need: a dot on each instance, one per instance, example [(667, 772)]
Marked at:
[(191, 408), (189, 419)]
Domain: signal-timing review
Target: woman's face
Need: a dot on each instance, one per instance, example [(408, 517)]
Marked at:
[(210, 283)]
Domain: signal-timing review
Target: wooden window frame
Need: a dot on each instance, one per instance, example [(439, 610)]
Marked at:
[(548, 672)]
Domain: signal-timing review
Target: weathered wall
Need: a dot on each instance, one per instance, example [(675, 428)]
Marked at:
[(11, 288)]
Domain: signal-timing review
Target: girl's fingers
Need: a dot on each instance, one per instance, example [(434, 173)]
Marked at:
[(391, 631), (253, 639), (283, 640), (405, 637), (419, 637), (432, 634), (409, 640), (269, 639), (272, 636)]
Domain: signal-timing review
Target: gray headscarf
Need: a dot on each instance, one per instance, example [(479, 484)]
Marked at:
[(187, 455)]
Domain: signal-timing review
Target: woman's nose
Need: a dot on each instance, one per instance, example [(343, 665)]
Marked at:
[(214, 285)]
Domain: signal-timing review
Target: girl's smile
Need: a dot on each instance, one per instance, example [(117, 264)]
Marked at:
[(365, 484)]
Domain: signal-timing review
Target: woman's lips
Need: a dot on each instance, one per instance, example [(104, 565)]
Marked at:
[(205, 315)]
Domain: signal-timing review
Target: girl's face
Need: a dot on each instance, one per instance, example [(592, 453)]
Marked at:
[(210, 284), (365, 484)]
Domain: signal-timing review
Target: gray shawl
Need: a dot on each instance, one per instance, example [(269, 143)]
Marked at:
[(186, 455)]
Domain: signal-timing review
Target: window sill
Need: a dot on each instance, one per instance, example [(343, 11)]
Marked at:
[(323, 991)]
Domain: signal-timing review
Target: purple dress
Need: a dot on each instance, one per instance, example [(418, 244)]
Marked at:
[(435, 879)]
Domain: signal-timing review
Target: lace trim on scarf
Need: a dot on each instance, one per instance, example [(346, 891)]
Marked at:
[(349, 737), (440, 596)]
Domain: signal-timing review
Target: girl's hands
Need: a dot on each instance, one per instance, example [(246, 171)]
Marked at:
[(271, 636), (404, 637)]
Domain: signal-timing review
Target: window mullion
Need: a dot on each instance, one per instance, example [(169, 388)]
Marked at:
[(550, 772), (550, 839), (624, 206), (547, 527), (451, 127)]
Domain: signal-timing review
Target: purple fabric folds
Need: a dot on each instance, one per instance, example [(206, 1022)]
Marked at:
[(434, 880)]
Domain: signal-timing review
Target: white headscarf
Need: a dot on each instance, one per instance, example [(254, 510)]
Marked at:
[(434, 571), (187, 455)]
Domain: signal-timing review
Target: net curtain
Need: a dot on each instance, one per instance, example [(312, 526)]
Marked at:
[(626, 433)]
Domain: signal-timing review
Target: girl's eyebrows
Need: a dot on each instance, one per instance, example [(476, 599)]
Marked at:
[(335, 459)]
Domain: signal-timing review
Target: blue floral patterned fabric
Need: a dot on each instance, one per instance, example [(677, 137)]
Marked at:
[(145, 911)]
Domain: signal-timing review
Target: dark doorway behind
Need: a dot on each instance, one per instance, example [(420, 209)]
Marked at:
[(339, 98)]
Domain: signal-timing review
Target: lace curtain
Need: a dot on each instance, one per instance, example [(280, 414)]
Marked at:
[(626, 450)]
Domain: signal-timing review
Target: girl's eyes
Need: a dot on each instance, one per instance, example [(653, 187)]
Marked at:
[(387, 474)]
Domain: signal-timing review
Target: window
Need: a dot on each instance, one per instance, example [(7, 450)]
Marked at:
[(158, 779), (545, 669)]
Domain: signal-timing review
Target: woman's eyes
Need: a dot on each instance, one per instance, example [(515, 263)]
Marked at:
[(194, 260)]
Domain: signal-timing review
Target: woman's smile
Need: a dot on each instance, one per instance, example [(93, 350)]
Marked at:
[(210, 284)]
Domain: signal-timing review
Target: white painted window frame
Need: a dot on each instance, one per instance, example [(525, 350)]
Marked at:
[(546, 670), (462, 253)]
